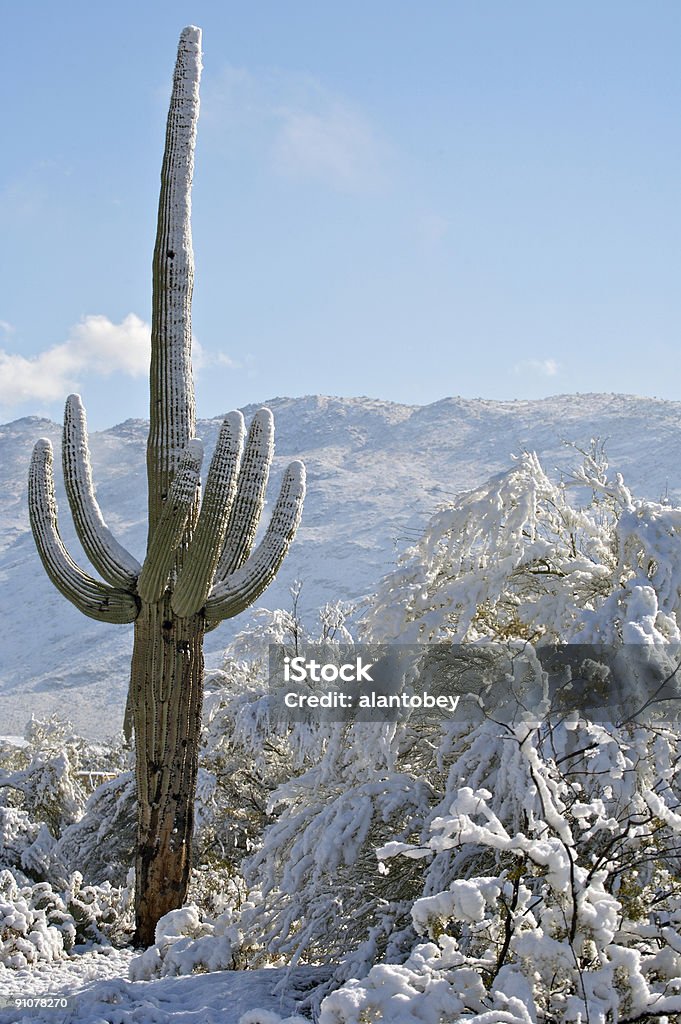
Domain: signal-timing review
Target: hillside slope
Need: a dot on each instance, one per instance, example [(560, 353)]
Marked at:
[(376, 470)]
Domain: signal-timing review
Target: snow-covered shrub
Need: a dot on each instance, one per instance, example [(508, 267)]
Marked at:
[(39, 922), (12, 759), (236, 764), (216, 886), (52, 775), (52, 825), (322, 898), (308, 803), (102, 914), (515, 559), (552, 894), (44, 787), (34, 923), (186, 941), (101, 844), (246, 751), (26, 847), (551, 865), (87, 865)]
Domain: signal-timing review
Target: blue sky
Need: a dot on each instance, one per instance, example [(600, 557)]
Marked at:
[(392, 199)]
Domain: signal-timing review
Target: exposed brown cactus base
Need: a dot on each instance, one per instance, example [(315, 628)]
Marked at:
[(166, 692)]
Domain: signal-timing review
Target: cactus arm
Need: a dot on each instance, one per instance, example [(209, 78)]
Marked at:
[(198, 570), (109, 558), (250, 496), (245, 586), (172, 409), (167, 534), (93, 598)]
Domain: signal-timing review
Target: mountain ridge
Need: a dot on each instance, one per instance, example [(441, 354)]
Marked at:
[(376, 471)]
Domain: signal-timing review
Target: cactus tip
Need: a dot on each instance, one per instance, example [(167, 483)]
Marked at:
[(194, 448), (43, 446), (264, 418), (297, 472), (74, 406), (235, 421), (191, 34)]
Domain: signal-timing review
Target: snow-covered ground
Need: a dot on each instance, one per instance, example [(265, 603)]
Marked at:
[(98, 992), (376, 471)]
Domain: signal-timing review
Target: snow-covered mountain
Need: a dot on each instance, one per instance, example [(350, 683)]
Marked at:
[(376, 470)]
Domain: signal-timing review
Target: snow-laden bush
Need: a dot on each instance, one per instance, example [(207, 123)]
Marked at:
[(86, 863), (103, 914), (512, 561), (248, 752), (51, 826), (101, 844), (35, 924), (515, 559), (322, 898), (551, 865), (26, 847), (52, 775), (553, 894), (41, 923), (186, 941), (325, 793)]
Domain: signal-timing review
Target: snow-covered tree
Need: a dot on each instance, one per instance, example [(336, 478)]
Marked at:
[(551, 867), (515, 558), (551, 894)]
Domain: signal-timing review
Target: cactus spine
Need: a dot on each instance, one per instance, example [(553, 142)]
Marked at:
[(200, 566)]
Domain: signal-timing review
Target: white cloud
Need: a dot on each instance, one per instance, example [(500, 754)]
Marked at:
[(199, 357), (203, 359), (544, 367), (336, 146), (308, 132), (222, 359), (95, 345), (103, 347)]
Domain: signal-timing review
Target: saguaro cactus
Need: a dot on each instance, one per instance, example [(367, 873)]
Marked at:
[(200, 566)]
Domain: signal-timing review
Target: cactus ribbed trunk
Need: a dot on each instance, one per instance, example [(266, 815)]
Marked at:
[(172, 417), (199, 566), (166, 678), (166, 696)]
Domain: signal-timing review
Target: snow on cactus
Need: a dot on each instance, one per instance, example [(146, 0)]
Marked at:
[(201, 564)]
